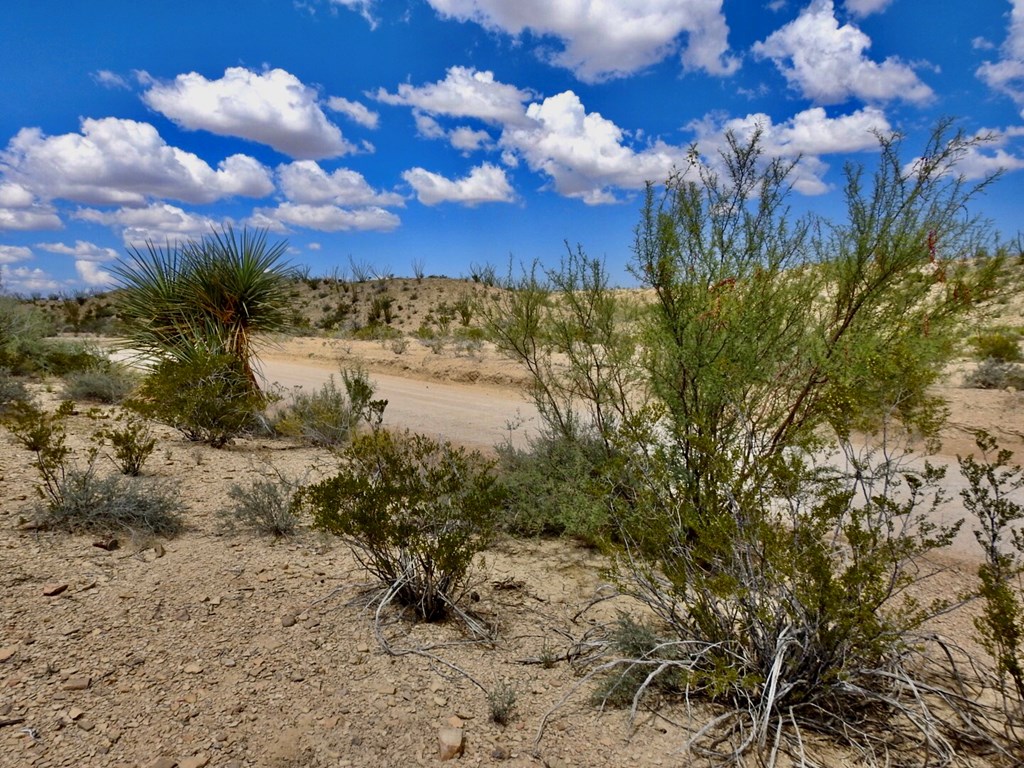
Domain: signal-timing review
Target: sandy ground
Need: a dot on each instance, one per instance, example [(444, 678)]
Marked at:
[(234, 650)]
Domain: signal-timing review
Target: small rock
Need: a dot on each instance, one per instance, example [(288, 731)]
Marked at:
[(79, 683), (500, 753), (54, 589), (451, 743), (362, 648), (163, 762), (387, 689), (6, 653), (440, 701), (193, 669), (85, 725), (288, 620), (455, 721), (75, 713), (107, 544), (197, 761), (158, 550)]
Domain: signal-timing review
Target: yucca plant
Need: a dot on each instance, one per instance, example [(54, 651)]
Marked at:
[(205, 297)]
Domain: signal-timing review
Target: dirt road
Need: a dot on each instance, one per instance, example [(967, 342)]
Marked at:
[(476, 416)]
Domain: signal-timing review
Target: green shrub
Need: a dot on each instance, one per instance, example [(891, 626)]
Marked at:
[(995, 374), (267, 505), (999, 344), (36, 429), (60, 358), (991, 483), (110, 384), (22, 329), (328, 417), (80, 500), (11, 390), (131, 441), (414, 511), (208, 398), (555, 487)]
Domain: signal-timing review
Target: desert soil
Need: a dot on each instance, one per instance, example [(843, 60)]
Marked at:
[(229, 649)]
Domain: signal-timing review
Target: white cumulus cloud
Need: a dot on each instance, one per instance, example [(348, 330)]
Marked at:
[(866, 7), (324, 218), (805, 137), (585, 154), (1006, 74), (93, 275), (81, 250), (355, 111), (273, 108), (12, 254), (26, 280), (159, 222), (305, 182), (486, 183), (827, 62), (602, 40), (464, 92), (124, 162), (22, 210)]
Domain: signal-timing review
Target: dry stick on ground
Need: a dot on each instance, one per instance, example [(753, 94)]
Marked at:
[(386, 598)]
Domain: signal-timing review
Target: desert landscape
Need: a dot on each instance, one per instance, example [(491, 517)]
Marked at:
[(227, 648)]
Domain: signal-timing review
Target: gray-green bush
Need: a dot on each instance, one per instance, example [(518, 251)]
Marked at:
[(107, 384), (268, 505), (329, 416)]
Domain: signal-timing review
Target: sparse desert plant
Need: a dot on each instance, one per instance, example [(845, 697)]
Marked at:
[(79, 499), (38, 430), (131, 441), (415, 512), (329, 416), (991, 483), (501, 701), (12, 390), (995, 374), (86, 502), (207, 397), (997, 344), (268, 505), (109, 384)]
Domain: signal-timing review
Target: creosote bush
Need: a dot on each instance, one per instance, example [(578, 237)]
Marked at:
[(414, 511), (991, 483), (999, 344), (131, 443), (555, 487), (206, 397)]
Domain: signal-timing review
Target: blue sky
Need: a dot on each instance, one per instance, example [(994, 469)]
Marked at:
[(459, 132)]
